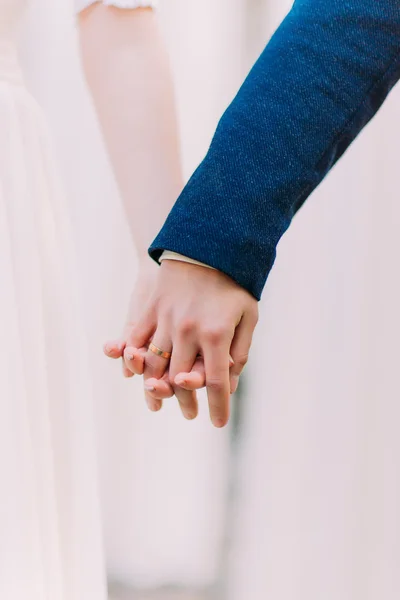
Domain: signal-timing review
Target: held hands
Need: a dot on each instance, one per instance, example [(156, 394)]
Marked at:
[(205, 321), (133, 359)]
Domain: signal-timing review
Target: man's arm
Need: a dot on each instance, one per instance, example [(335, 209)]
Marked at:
[(322, 77)]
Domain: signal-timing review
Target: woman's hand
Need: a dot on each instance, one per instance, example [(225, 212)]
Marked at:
[(133, 359)]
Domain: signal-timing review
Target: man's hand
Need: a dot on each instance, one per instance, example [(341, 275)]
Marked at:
[(197, 311)]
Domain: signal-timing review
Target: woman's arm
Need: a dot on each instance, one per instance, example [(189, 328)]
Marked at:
[(129, 77), (128, 73)]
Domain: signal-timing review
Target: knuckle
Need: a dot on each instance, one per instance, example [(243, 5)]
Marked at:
[(215, 335), (216, 385), (187, 326)]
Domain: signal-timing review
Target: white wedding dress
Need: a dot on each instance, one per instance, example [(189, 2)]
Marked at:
[(50, 541)]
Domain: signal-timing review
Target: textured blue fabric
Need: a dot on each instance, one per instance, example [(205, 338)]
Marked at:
[(321, 78)]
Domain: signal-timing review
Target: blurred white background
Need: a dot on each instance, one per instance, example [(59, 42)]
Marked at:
[(310, 508)]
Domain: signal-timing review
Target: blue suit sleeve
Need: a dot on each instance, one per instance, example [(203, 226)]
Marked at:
[(322, 77)]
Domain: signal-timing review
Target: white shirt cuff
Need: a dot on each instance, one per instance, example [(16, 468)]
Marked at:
[(169, 255)]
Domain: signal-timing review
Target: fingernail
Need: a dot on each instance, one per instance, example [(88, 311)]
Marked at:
[(129, 356), (231, 361), (190, 416), (217, 422), (179, 380), (149, 388)]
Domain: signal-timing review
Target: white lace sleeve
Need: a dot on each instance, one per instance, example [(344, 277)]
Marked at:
[(82, 4)]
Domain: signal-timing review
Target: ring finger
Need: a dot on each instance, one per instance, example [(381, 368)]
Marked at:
[(156, 363)]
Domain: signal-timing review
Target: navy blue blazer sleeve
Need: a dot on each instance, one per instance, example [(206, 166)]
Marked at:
[(322, 77)]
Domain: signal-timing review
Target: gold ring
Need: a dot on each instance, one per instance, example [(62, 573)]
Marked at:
[(159, 352)]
